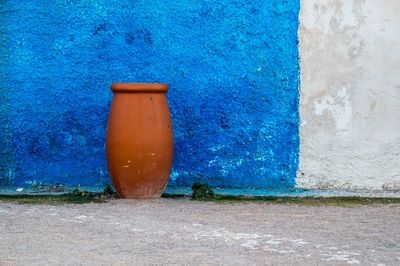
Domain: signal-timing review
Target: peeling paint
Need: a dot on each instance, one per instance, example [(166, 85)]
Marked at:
[(339, 107), (350, 100)]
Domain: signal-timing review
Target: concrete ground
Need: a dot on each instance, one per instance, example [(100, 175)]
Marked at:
[(184, 232)]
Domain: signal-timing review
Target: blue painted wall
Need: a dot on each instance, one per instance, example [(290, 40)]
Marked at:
[(233, 72)]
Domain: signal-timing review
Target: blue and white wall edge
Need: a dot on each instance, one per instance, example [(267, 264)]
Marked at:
[(267, 95)]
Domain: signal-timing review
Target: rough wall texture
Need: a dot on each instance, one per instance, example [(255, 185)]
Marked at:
[(232, 67), (350, 94)]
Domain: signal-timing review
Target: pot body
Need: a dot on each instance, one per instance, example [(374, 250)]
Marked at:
[(139, 140)]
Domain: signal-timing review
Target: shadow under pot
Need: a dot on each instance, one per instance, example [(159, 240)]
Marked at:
[(139, 140)]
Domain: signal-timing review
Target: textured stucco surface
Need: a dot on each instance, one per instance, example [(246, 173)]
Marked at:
[(232, 67), (350, 94)]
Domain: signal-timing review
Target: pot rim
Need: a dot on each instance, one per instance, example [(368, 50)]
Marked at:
[(138, 87)]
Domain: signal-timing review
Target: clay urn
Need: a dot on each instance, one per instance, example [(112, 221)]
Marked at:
[(139, 140)]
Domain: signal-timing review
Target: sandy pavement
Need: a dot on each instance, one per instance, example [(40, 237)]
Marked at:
[(185, 232)]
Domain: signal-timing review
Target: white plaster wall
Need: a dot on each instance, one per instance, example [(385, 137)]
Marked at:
[(350, 94)]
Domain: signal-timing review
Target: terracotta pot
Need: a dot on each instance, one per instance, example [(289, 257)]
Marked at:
[(139, 139)]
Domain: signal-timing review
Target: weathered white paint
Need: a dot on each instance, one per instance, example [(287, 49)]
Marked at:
[(350, 94)]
